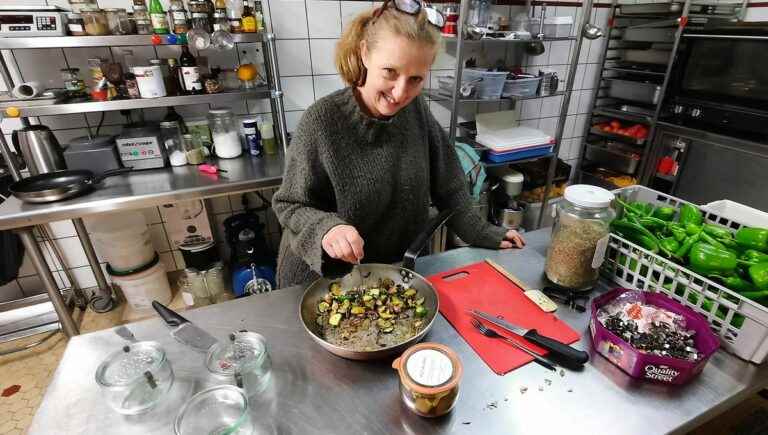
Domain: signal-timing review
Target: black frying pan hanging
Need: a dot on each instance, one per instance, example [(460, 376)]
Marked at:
[(59, 185)]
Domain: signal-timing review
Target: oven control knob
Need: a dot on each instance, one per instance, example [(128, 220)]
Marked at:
[(678, 109), (695, 113)]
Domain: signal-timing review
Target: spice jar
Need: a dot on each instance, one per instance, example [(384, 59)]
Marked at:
[(226, 141), (117, 20), (429, 378), (170, 135), (195, 149), (78, 5), (75, 24), (579, 237), (95, 21)]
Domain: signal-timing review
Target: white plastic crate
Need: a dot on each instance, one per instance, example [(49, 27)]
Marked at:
[(741, 323)]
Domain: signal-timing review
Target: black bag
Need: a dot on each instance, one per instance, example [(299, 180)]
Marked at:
[(11, 256)]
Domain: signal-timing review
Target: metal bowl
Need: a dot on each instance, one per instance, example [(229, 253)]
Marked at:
[(373, 272)]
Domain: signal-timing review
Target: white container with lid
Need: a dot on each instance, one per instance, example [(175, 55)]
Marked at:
[(148, 284), (150, 81), (579, 237), (513, 183), (123, 240)]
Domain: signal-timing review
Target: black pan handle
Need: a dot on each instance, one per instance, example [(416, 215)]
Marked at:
[(567, 355), (409, 259), (171, 318), (110, 173)]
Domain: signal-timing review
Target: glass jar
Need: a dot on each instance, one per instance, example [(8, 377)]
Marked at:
[(117, 20), (95, 21), (75, 24), (170, 135), (78, 5), (226, 140), (579, 237), (143, 27), (195, 149), (243, 361), (72, 82), (429, 378)]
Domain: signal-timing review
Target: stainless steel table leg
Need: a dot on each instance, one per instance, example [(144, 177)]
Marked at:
[(38, 261), (102, 301)]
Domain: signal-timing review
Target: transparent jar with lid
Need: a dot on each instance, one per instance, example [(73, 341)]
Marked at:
[(195, 149), (579, 237), (226, 140), (95, 21), (117, 20), (429, 378), (78, 5), (170, 134), (75, 24)]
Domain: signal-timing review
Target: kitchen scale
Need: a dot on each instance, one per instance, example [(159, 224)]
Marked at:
[(29, 21)]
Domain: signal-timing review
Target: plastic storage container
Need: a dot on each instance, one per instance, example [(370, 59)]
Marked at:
[(150, 283), (579, 237), (525, 87), (491, 83), (123, 240), (557, 27), (741, 323)]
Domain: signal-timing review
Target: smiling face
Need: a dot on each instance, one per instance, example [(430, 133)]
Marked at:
[(396, 71)]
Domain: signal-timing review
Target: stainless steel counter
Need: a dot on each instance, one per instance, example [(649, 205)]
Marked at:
[(148, 188), (314, 392)]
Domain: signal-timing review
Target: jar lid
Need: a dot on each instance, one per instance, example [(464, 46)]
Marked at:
[(429, 368), (128, 365), (220, 111), (250, 123), (242, 351), (585, 195), (513, 177)]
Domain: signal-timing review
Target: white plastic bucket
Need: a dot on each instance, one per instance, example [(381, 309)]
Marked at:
[(123, 240), (141, 288)]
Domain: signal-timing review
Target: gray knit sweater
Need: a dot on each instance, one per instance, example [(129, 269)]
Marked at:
[(380, 176)]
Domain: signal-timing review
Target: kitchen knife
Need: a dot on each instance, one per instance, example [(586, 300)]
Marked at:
[(183, 330), (567, 354)]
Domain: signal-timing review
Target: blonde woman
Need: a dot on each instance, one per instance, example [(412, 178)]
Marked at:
[(367, 161)]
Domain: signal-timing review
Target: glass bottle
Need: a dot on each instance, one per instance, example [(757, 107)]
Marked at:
[(248, 20), (158, 17), (579, 237), (221, 39), (268, 137), (234, 15), (172, 116), (172, 85), (189, 72), (170, 134), (179, 19), (258, 13)]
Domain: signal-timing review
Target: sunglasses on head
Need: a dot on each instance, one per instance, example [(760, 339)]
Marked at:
[(413, 7)]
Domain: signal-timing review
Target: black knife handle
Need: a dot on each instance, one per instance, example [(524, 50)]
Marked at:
[(560, 351), (171, 318)]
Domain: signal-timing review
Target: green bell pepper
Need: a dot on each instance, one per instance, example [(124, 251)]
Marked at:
[(717, 231), (758, 273), (735, 283), (753, 238), (690, 214), (755, 256), (677, 231), (707, 260), (692, 229), (669, 246), (686, 246), (664, 213)]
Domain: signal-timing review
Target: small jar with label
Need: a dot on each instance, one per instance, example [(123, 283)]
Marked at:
[(95, 21), (117, 20), (429, 378), (252, 138), (579, 237), (170, 134), (194, 148), (75, 25), (226, 141)]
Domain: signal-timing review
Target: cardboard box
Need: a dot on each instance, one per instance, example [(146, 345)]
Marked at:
[(187, 222)]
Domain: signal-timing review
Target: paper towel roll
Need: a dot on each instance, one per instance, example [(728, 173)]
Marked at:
[(27, 90)]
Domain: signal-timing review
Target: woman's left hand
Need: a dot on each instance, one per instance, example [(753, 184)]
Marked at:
[(512, 239)]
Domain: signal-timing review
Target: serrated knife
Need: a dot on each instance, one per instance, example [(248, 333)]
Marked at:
[(183, 330), (558, 350)]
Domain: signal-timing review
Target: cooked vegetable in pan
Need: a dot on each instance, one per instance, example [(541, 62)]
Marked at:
[(370, 317)]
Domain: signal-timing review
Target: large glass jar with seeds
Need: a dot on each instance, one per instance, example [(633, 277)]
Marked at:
[(579, 237)]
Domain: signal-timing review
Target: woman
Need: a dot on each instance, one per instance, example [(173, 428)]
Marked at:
[(366, 161)]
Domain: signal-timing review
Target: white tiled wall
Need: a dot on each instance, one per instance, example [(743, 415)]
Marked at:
[(307, 31)]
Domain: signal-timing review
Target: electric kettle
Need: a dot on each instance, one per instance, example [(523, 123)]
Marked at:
[(39, 149)]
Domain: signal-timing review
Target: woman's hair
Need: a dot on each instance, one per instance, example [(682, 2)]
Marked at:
[(349, 58)]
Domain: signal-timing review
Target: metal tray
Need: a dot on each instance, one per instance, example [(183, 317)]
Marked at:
[(650, 34), (647, 93), (613, 159), (656, 57), (651, 9), (615, 136)]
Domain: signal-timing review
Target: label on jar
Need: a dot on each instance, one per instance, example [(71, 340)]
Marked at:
[(597, 259), (75, 28), (159, 21), (191, 77), (429, 367), (179, 16)]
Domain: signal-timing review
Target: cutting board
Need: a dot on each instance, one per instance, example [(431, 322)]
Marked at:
[(479, 286)]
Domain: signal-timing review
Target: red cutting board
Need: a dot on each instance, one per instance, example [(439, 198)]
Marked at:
[(479, 286)]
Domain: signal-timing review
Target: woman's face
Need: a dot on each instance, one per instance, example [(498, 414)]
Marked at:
[(396, 71)]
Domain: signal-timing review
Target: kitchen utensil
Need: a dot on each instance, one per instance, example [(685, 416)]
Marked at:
[(479, 286), (648, 93), (619, 159), (510, 218), (217, 410), (488, 332), (242, 361), (591, 31), (536, 296), (183, 330), (210, 169), (536, 47), (317, 290), (59, 185), (568, 355), (135, 378), (97, 154), (39, 148)]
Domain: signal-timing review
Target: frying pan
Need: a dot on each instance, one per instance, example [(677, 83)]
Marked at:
[(59, 185), (372, 273)]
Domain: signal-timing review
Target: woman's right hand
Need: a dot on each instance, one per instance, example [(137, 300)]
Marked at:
[(344, 243)]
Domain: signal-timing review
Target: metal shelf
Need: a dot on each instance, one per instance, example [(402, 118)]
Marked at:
[(435, 95), (140, 103), (669, 178), (614, 136), (100, 41), (627, 116), (634, 71), (512, 162), (564, 38)]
